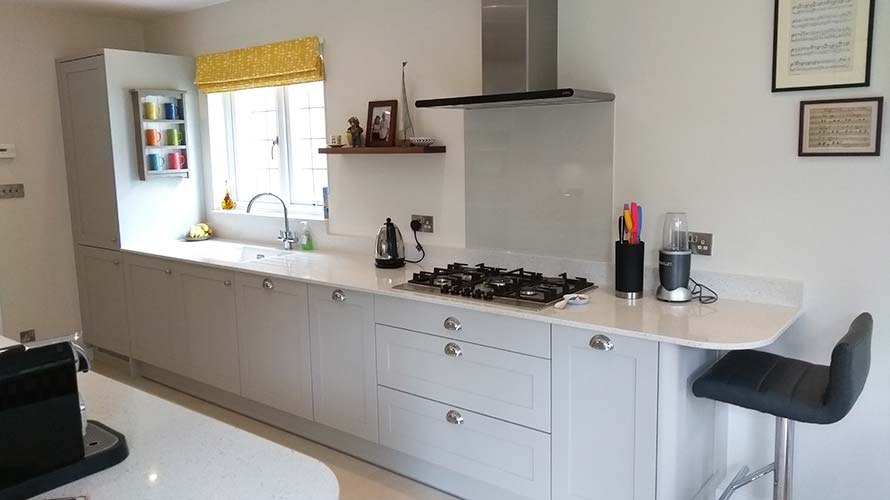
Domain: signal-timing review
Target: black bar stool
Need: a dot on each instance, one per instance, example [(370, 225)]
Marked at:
[(792, 391)]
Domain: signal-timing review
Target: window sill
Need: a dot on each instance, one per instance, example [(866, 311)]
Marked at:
[(291, 214)]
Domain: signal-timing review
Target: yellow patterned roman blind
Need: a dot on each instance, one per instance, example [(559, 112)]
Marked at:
[(276, 64)]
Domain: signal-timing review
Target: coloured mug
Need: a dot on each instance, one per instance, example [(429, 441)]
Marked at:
[(152, 137), (170, 111), (174, 137), (176, 160), (156, 162), (150, 110)]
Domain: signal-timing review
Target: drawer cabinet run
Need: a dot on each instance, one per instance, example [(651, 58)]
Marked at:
[(494, 382), (511, 457)]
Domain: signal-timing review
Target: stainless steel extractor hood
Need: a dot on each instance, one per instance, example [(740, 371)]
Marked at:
[(519, 40)]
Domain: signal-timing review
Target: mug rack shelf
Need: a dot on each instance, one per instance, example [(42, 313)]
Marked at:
[(150, 116)]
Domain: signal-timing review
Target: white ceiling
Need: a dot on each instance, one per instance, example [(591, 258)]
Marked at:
[(123, 8)]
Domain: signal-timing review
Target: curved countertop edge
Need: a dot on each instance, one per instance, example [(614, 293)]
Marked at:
[(588, 317)]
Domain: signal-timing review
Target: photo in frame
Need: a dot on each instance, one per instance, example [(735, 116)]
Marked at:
[(381, 126), (841, 127), (822, 44)]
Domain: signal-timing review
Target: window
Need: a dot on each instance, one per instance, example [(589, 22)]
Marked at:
[(267, 140)]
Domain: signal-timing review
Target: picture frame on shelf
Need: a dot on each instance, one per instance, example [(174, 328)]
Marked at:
[(822, 45), (381, 125), (841, 127)]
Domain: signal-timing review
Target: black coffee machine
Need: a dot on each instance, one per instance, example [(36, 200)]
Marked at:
[(45, 439)]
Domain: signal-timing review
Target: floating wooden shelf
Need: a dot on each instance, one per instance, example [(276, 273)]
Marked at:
[(180, 146), (382, 150)]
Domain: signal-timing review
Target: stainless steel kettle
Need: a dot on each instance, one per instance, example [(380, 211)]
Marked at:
[(390, 246)]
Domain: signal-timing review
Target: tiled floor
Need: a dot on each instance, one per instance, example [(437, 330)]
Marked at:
[(358, 480)]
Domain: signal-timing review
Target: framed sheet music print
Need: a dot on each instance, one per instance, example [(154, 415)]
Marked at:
[(841, 127), (822, 44)]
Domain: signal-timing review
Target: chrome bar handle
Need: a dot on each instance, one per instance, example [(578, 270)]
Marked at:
[(453, 350), (453, 417), (452, 324), (601, 343)]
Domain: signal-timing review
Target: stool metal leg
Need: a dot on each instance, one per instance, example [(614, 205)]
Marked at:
[(784, 452), (781, 468)]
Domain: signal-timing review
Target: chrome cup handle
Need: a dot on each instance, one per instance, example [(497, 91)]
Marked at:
[(454, 417), (601, 343)]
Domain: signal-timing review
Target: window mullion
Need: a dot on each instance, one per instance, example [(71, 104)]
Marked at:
[(284, 145), (229, 111)]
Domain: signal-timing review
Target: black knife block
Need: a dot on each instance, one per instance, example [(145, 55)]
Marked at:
[(39, 412), (629, 269)]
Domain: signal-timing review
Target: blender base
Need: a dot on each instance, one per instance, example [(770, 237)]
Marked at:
[(680, 294)]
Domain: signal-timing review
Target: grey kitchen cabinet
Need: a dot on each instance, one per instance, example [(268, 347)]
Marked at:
[(344, 381), (209, 326), (273, 341), (155, 312), (103, 299), (89, 156), (605, 403)]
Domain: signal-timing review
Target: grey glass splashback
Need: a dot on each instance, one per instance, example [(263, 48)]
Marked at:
[(539, 180)]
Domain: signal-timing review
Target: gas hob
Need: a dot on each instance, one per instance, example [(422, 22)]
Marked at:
[(518, 287)]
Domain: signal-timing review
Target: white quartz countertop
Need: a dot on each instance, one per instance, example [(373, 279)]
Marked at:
[(725, 325), (179, 454)]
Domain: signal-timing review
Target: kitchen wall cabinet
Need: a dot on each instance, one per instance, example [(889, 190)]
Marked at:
[(89, 156), (605, 402), (344, 381), (155, 311), (273, 342), (209, 326), (103, 299)]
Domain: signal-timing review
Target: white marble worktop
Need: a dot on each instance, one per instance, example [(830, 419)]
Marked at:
[(176, 453), (725, 325)]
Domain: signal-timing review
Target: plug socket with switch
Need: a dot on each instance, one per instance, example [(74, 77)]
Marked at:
[(7, 151)]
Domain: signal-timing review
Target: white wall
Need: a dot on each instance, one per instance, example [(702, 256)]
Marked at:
[(697, 129), (38, 287), (161, 208), (365, 43)]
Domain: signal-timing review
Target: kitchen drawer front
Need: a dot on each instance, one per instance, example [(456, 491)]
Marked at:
[(493, 330), (505, 455), (493, 382)]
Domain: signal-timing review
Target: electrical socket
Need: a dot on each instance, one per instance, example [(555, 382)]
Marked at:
[(12, 191), (426, 222), (701, 243), (27, 336)]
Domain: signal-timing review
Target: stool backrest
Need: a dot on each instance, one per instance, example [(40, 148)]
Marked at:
[(850, 362)]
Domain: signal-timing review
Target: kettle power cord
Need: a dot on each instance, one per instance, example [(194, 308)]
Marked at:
[(415, 226), (698, 292)]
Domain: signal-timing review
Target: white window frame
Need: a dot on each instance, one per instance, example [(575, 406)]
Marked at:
[(314, 210)]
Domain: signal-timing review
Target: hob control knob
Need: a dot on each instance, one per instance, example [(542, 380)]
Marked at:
[(466, 292), (489, 295), (445, 289), (455, 291), (478, 294)]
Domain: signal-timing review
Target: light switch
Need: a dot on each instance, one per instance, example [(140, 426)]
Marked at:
[(7, 150)]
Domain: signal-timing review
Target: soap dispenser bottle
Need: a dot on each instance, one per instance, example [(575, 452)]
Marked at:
[(305, 237)]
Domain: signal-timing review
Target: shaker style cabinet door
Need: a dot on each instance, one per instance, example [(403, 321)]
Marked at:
[(89, 158), (273, 343), (209, 337), (344, 381), (605, 391), (103, 299), (155, 312)]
